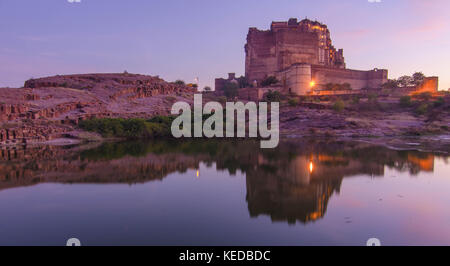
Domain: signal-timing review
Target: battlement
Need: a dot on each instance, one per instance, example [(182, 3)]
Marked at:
[(305, 25)]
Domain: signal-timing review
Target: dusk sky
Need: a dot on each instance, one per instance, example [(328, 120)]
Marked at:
[(183, 39)]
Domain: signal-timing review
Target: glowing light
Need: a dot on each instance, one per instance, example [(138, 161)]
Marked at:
[(311, 167), (312, 83), (198, 173)]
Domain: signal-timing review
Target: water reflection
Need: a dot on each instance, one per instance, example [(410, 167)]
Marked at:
[(292, 183)]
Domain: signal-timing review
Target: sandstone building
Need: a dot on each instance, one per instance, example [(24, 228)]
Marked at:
[(288, 43), (302, 58)]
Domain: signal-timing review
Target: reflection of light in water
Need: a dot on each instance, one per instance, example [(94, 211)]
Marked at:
[(311, 167), (198, 173)]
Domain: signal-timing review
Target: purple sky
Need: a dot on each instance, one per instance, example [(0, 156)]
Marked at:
[(183, 39)]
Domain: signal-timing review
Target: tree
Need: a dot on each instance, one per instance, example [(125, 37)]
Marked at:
[(207, 88), (418, 78), (346, 86), (336, 87), (180, 82), (269, 81), (405, 81), (329, 86), (243, 83), (272, 96), (390, 84)]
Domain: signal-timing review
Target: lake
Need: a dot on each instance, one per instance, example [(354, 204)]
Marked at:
[(305, 192)]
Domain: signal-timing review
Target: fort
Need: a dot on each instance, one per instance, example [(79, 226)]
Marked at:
[(302, 60)]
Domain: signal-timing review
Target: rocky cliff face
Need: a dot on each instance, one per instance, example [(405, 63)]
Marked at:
[(49, 107)]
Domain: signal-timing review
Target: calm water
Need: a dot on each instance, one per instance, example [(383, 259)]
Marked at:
[(223, 193)]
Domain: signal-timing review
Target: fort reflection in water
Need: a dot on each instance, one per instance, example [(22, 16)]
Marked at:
[(292, 183)]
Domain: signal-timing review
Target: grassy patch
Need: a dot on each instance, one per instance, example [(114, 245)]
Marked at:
[(135, 128)]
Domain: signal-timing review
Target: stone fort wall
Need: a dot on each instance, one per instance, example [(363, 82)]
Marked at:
[(357, 79), (301, 79)]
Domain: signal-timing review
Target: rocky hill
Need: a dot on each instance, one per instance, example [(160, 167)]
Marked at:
[(46, 108)]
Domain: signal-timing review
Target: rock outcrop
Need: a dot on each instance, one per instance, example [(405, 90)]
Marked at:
[(49, 107)]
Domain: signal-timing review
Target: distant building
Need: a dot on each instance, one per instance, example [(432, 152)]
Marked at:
[(302, 58), (220, 82), (288, 43)]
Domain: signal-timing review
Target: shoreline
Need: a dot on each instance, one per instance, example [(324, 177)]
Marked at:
[(430, 143)]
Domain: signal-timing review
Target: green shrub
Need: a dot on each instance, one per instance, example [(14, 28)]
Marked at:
[(339, 105), (273, 96), (355, 100), (439, 102), (329, 86), (346, 86), (180, 82), (166, 120), (372, 98), (405, 101), (422, 109), (426, 96), (338, 87), (293, 101), (269, 81), (390, 84), (307, 99)]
